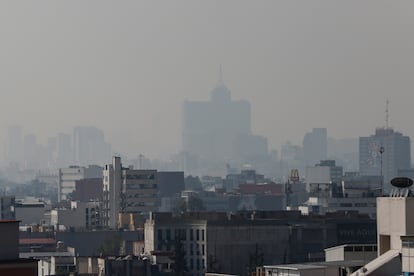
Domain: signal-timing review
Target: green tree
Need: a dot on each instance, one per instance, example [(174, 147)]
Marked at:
[(111, 246), (193, 204), (180, 263)]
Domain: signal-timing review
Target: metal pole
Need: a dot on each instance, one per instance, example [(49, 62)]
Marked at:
[(382, 176)]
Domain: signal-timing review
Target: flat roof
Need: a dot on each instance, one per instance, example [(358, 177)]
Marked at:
[(349, 245), (318, 265), (35, 255), (295, 266), (37, 241)]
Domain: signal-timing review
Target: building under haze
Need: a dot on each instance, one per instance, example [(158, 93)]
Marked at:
[(210, 127), (126, 190), (68, 177), (14, 145), (315, 145), (396, 154), (89, 146)]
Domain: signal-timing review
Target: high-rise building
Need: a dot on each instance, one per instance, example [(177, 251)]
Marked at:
[(69, 176), (30, 152), (211, 127), (126, 190), (64, 151), (384, 153), (89, 146), (14, 145), (315, 146)]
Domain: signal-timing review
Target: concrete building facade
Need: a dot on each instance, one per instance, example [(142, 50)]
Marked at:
[(126, 190), (396, 154), (68, 177)]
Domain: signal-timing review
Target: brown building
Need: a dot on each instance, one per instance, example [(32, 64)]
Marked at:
[(10, 264), (89, 189)]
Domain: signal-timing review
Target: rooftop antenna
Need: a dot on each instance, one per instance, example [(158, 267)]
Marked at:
[(387, 114), (220, 74)]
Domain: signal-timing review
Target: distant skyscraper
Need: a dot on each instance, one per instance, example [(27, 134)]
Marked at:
[(315, 146), (30, 151), (396, 154), (89, 146), (64, 150), (211, 127), (14, 145)]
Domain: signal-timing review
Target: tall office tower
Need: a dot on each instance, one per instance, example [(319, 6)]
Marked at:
[(211, 127), (315, 146), (384, 153), (14, 145), (89, 146), (126, 190), (30, 152), (64, 150), (51, 152)]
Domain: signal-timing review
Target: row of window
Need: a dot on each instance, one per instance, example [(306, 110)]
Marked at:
[(133, 186), (133, 204), (140, 176), (194, 249), (181, 234), (141, 195)]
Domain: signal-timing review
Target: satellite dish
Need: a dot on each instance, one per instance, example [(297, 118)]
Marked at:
[(401, 182)]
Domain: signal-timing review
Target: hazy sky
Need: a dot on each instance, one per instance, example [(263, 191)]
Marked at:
[(127, 66)]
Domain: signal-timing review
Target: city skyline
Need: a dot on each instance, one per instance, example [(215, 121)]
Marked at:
[(127, 69)]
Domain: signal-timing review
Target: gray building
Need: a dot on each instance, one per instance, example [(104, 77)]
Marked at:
[(396, 154), (211, 127), (7, 208), (315, 146), (69, 176), (230, 243), (126, 190), (89, 146)]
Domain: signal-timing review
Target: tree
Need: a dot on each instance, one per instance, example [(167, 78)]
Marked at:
[(180, 263), (111, 246), (193, 204), (256, 259)]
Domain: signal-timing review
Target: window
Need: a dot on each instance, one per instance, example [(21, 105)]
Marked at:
[(159, 234), (191, 249), (168, 234), (191, 235), (202, 235), (191, 264), (197, 235), (202, 249)]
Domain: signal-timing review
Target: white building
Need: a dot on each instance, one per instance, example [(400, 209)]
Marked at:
[(395, 227), (162, 235), (68, 177)]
